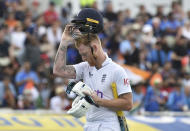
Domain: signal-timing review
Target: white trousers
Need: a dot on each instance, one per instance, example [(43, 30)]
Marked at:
[(102, 126)]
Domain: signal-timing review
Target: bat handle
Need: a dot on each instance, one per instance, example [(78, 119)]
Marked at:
[(90, 100)]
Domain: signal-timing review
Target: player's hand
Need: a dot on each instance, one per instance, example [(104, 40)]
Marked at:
[(94, 96), (66, 36)]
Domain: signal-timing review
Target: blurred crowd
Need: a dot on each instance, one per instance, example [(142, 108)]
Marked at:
[(158, 43)]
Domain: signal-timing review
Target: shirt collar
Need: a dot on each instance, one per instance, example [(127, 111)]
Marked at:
[(106, 61)]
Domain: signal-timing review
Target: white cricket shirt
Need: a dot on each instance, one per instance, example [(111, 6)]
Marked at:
[(100, 81)]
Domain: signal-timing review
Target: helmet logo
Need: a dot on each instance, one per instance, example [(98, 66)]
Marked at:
[(92, 20)]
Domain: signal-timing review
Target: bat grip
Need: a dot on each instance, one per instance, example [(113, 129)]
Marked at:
[(90, 100)]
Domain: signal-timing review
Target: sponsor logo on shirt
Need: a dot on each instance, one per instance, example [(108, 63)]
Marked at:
[(126, 81), (99, 93)]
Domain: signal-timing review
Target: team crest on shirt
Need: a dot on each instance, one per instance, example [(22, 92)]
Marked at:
[(103, 78)]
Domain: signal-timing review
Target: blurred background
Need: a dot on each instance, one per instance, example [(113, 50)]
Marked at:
[(149, 38)]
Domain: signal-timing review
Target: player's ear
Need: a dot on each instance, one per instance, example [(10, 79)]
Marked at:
[(95, 48)]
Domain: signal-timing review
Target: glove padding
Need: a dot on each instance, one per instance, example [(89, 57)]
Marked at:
[(82, 102), (81, 87), (79, 107)]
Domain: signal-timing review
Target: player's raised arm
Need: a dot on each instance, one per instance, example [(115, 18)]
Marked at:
[(60, 67)]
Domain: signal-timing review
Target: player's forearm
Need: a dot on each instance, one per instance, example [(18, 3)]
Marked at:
[(60, 68), (116, 104), (60, 58)]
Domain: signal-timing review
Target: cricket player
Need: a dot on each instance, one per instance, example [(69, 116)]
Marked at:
[(97, 71)]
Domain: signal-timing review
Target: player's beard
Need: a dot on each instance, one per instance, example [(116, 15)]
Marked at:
[(92, 61)]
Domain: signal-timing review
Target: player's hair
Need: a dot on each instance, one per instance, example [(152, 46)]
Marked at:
[(86, 39)]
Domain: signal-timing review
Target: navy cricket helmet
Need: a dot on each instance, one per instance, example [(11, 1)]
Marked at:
[(89, 20)]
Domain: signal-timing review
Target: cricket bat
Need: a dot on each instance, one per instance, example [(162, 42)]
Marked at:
[(120, 115)]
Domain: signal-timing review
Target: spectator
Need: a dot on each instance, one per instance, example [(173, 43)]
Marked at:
[(7, 93), (32, 52), (29, 26), (179, 51), (40, 27), (24, 76), (34, 8), (44, 93), (54, 33), (19, 7), (112, 44), (177, 11), (147, 38), (160, 11), (46, 47), (127, 17), (109, 13), (127, 45), (154, 99), (186, 79), (137, 95), (18, 38), (50, 15), (6, 32), (184, 31), (156, 27), (143, 63), (28, 99), (11, 21), (176, 100), (8, 71), (172, 25), (121, 18), (166, 48), (5, 52), (157, 55), (3, 10), (132, 57), (143, 13), (59, 102), (168, 74), (64, 17)]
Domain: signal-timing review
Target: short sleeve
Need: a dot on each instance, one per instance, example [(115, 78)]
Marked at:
[(122, 81), (80, 70)]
